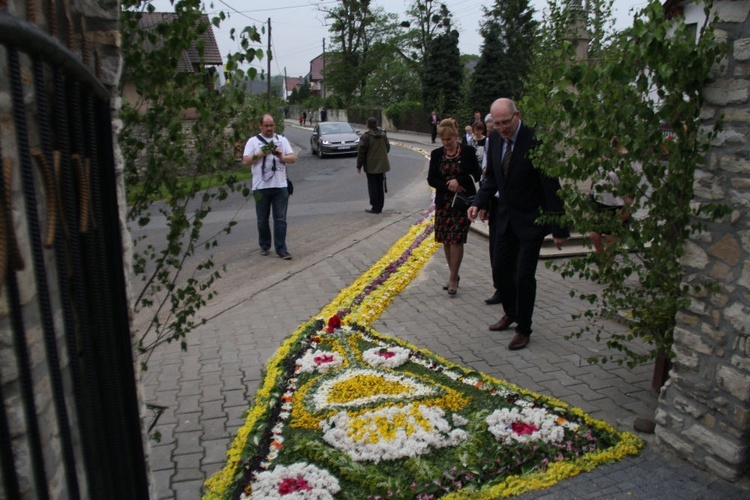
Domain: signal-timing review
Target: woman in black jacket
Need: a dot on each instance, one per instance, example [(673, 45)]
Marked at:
[(454, 170)]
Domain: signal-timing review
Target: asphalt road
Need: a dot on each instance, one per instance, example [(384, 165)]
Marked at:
[(328, 205)]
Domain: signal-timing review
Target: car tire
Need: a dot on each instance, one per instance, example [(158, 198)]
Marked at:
[(320, 152)]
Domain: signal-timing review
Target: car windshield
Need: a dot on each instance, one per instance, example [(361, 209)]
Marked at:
[(335, 128)]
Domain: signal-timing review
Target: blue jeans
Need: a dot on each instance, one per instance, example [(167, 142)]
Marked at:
[(266, 200)]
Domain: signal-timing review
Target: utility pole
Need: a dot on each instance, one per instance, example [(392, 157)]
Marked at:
[(323, 74), (286, 90), (269, 61)]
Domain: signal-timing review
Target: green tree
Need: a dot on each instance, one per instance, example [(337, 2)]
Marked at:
[(356, 28), (426, 20), (509, 33), (393, 79), (167, 157), (443, 75), (606, 115)]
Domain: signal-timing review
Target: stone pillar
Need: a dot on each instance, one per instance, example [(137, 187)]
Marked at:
[(704, 409)]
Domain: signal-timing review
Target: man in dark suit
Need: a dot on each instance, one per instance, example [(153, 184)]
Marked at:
[(433, 121), (526, 192)]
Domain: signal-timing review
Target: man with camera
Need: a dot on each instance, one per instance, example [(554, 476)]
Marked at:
[(269, 154)]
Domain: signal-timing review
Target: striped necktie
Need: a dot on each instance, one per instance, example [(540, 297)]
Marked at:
[(506, 157)]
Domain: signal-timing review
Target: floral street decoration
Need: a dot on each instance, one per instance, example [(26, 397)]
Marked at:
[(345, 412)]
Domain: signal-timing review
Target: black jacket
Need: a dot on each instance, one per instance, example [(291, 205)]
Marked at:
[(470, 172), (525, 194)]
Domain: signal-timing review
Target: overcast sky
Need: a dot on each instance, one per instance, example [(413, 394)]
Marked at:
[(298, 27)]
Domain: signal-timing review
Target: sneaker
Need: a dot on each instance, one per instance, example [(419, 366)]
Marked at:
[(264, 251), (285, 255)]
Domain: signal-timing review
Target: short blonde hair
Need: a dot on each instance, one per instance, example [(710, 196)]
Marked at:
[(447, 126)]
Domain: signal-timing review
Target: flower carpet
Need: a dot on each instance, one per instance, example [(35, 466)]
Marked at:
[(346, 412)]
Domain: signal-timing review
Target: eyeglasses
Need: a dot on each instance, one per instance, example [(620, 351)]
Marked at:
[(505, 123)]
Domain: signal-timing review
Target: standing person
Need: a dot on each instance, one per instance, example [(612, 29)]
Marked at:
[(453, 171), (269, 154), (476, 118), (304, 117), (479, 141), (468, 134), (323, 115), (495, 298), (525, 192), (611, 206), (372, 155), (433, 121)]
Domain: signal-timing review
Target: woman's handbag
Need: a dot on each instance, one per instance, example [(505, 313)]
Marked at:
[(289, 186), (461, 201)]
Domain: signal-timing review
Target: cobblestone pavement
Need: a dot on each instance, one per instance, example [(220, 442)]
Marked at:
[(208, 388)]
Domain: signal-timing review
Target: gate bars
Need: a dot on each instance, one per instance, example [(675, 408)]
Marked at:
[(63, 152)]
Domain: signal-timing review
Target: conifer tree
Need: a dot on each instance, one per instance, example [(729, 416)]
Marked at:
[(509, 33), (443, 76)]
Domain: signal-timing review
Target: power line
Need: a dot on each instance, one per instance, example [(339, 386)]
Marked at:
[(242, 13)]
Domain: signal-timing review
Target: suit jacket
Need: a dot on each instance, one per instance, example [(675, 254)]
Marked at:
[(525, 194), (469, 173)]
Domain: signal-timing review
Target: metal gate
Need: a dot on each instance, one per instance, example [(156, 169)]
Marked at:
[(69, 424)]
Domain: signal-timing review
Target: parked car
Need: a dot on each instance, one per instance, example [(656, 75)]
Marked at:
[(334, 138)]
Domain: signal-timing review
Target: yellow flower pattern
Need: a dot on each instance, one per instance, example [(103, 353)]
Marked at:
[(386, 407)]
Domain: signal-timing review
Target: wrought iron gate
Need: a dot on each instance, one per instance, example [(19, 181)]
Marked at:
[(69, 424)]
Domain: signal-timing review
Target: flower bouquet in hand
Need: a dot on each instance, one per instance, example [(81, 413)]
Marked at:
[(269, 148)]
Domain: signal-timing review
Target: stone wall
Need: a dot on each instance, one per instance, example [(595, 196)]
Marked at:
[(704, 409)]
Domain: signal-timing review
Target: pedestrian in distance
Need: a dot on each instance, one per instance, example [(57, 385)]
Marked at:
[(478, 140), (468, 134), (477, 117), (525, 192), (304, 117), (372, 157), (434, 120), (270, 154), (453, 172)]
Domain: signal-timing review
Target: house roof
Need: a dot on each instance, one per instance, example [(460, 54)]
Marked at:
[(189, 57), (292, 82)]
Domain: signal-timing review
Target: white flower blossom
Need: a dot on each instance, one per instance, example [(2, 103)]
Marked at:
[(391, 433), (320, 361), (534, 424), (300, 481), (386, 357)]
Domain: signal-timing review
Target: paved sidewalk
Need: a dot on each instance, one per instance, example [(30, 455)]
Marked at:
[(208, 388)]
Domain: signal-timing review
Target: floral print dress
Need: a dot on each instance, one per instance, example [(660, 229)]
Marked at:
[(451, 223)]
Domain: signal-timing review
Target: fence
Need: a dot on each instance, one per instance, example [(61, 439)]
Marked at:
[(69, 424)]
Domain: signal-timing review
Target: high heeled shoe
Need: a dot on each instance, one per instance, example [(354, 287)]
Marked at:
[(445, 287), (452, 292)]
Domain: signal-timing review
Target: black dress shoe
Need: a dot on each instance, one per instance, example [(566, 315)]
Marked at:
[(519, 341), (495, 299), (503, 324), (371, 211)]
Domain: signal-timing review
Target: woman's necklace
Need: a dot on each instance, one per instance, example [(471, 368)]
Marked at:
[(453, 154)]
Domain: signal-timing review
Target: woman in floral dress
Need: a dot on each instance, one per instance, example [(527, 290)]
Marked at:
[(453, 172)]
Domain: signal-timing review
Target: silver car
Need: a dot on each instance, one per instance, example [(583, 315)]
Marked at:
[(334, 138)]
